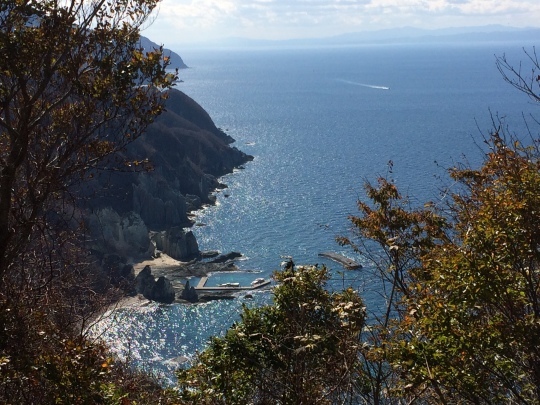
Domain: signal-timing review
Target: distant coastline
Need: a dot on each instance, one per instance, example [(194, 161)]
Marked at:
[(396, 36)]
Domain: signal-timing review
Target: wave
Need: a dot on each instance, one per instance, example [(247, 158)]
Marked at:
[(371, 86)]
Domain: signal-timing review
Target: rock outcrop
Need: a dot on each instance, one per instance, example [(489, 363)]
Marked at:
[(163, 291), (226, 257), (177, 243), (159, 291), (144, 282), (125, 234), (189, 293), (157, 203)]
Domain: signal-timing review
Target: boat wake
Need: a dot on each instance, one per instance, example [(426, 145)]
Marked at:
[(371, 86)]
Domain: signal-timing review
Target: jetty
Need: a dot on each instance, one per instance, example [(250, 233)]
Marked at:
[(201, 287), (344, 261)]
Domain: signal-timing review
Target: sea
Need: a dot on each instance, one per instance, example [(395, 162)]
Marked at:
[(320, 123)]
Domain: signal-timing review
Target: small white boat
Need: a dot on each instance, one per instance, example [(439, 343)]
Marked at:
[(257, 281), (229, 285)]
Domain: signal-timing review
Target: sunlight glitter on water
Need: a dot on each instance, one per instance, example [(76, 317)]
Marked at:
[(314, 144), (160, 338)]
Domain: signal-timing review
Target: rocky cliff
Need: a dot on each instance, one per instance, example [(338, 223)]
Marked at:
[(187, 154)]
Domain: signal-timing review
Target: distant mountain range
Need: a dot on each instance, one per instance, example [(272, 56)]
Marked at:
[(404, 35), (456, 34)]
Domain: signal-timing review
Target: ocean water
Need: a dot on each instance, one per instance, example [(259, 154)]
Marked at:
[(320, 122)]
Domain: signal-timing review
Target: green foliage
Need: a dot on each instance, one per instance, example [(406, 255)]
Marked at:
[(461, 324), (75, 89), (460, 321), (302, 349), (460, 283), (476, 305), (394, 238)]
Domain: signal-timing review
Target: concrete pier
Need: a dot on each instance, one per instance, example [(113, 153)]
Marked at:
[(344, 261)]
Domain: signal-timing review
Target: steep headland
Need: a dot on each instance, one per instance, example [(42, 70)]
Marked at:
[(175, 60), (146, 207)]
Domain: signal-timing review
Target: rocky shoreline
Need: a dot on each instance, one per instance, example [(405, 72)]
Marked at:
[(144, 213), (175, 285)]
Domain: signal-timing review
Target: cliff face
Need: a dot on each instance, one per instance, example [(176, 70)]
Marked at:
[(187, 153)]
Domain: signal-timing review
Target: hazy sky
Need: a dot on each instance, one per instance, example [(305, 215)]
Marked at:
[(192, 21)]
